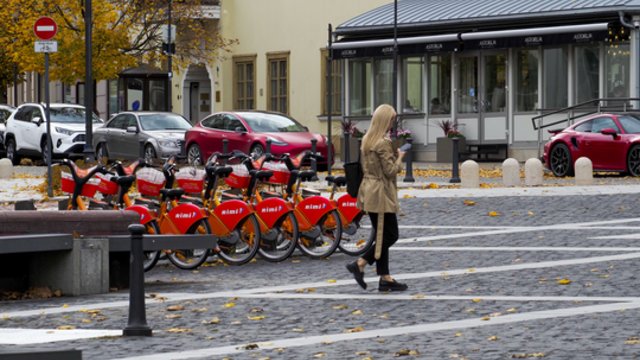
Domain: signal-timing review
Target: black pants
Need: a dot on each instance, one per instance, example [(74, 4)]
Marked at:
[(389, 237)]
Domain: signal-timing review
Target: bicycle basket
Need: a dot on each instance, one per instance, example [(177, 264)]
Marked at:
[(67, 185), (150, 181), (106, 186), (191, 179), (239, 177), (280, 172)]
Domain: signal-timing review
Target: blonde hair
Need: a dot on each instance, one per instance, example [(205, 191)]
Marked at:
[(381, 122)]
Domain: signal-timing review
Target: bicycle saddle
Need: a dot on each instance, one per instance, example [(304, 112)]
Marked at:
[(338, 180), (307, 175), (172, 193)]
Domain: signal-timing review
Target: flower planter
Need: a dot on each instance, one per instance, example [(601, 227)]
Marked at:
[(444, 149)]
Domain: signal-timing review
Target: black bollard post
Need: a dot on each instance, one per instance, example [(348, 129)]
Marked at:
[(408, 177), (346, 156), (314, 161), (455, 178), (137, 325), (225, 149), (268, 149)]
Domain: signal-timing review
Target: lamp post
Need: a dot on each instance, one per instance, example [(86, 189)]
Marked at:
[(395, 65), (169, 58), (88, 82)]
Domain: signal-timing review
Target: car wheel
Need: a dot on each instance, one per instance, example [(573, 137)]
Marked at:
[(102, 156), (560, 160), (194, 155), (12, 153), (256, 150), (44, 151), (149, 154), (633, 160)]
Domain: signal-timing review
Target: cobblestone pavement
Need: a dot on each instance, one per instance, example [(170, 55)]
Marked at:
[(495, 277)]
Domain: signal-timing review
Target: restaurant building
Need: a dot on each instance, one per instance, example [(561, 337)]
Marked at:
[(489, 66)]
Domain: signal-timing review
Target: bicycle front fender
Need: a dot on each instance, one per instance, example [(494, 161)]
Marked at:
[(146, 215), (232, 212), (271, 210), (347, 208), (315, 207), (185, 215)]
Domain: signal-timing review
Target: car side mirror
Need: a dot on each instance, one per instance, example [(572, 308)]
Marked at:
[(240, 129), (609, 131), (37, 120), (132, 129)]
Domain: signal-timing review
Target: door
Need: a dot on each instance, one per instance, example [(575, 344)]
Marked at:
[(194, 95), (605, 151), (482, 96)]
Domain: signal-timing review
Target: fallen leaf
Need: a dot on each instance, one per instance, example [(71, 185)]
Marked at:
[(214, 320), (332, 281), (178, 330), (485, 318), (512, 310), (173, 316), (200, 310), (66, 327), (494, 213), (256, 318), (458, 334), (492, 338), (249, 347), (406, 352), (632, 340), (340, 307), (319, 355), (530, 213), (476, 300), (418, 296), (256, 310), (469, 202), (471, 270), (295, 261), (564, 282), (356, 312), (433, 186), (362, 353), (355, 329), (86, 321), (229, 305), (175, 308), (298, 330)]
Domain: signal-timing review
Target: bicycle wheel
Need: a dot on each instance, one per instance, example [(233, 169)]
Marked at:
[(189, 259), (242, 245), (283, 243), (356, 243), (327, 242), (151, 257)]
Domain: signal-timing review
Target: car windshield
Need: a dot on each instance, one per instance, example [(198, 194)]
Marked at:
[(150, 122), (630, 123), (70, 115), (266, 123)]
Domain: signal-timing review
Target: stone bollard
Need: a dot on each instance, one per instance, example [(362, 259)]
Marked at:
[(533, 172), (469, 175), (6, 169), (511, 172), (584, 171)]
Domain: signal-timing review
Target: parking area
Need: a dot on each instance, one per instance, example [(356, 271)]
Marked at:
[(489, 278)]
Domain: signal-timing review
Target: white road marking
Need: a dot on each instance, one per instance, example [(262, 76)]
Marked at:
[(508, 248), (38, 336), (394, 331), (417, 192), (625, 236), (322, 284), (453, 227)]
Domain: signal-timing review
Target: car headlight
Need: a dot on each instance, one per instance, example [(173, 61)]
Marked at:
[(168, 143), (64, 131), (277, 142)]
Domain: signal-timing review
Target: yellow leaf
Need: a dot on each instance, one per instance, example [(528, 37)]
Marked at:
[(66, 327), (200, 310), (407, 196), (494, 213), (512, 310), (340, 307), (295, 261), (173, 316), (476, 300), (492, 338), (229, 305), (355, 329), (65, 306), (175, 308), (332, 281), (632, 340), (485, 318), (564, 282), (530, 213), (469, 202), (458, 334), (86, 321), (319, 355), (356, 312), (298, 330), (471, 270), (406, 352), (418, 296), (256, 318), (214, 320), (178, 330)]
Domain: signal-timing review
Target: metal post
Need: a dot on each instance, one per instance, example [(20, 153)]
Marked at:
[(408, 177), (169, 62), (329, 101), (455, 177), (225, 149), (314, 161), (137, 324), (47, 115), (268, 149), (394, 133), (88, 82), (346, 158)]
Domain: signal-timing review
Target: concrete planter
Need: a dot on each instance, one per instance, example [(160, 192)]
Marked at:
[(444, 149)]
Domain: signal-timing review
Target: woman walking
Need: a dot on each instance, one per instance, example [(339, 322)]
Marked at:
[(378, 196)]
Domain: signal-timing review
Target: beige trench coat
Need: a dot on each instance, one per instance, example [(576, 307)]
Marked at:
[(378, 191)]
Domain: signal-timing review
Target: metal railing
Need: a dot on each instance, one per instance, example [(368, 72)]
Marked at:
[(575, 112)]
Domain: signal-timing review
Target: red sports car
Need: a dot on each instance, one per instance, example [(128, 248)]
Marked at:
[(611, 141), (248, 132)]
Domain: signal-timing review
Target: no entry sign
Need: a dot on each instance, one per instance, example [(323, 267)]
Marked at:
[(45, 28)]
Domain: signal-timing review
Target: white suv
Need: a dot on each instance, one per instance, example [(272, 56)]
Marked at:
[(26, 131)]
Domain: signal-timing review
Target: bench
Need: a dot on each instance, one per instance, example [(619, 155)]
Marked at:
[(485, 152), (40, 354)]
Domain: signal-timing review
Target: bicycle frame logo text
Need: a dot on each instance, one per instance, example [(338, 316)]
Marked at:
[(315, 206), (188, 215), (232, 211), (271, 209)]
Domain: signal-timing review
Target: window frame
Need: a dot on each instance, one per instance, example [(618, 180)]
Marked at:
[(241, 103), (278, 57), (337, 76)]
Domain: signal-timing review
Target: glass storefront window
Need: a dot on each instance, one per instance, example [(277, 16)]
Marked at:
[(113, 97), (157, 95), (587, 73), (527, 80), (617, 70), (554, 77), (494, 82), (440, 84), (468, 85), (134, 94), (383, 72), (360, 87), (412, 85)]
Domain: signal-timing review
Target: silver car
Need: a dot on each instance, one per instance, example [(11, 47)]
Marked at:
[(5, 112), (158, 134)]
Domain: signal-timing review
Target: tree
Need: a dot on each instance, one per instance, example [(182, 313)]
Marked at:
[(125, 33)]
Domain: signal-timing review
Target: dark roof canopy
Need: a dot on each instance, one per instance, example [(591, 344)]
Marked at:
[(437, 16)]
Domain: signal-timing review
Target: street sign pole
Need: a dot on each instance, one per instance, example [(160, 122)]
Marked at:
[(49, 149)]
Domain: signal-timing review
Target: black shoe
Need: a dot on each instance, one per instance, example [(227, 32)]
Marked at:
[(357, 274), (391, 286)]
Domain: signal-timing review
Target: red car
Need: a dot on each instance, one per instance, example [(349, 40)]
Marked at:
[(248, 132), (611, 141)]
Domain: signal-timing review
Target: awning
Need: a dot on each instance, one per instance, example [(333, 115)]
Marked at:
[(420, 45)]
